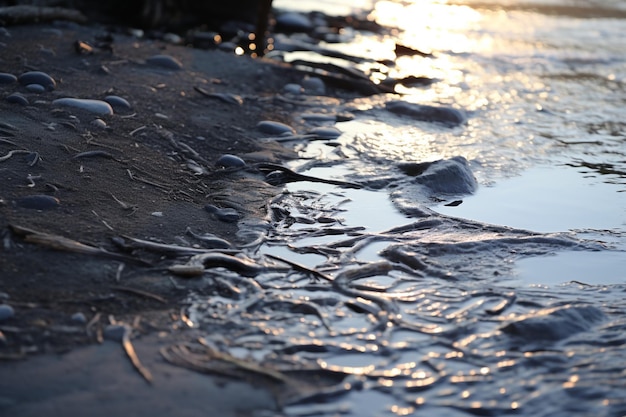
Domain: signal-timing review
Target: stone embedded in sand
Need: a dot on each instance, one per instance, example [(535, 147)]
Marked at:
[(275, 128), (230, 161), (99, 107), (6, 312), (227, 215), (36, 88), (165, 61), (118, 103), (314, 86), (424, 113), (38, 77), (38, 202), (6, 78), (17, 98)]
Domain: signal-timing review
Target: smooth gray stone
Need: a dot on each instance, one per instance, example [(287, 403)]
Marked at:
[(6, 312), (118, 103), (6, 78), (230, 161), (99, 107), (38, 202), (444, 115), (323, 132), (165, 61), (17, 98), (37, 77), (36, 88), (275, 128)]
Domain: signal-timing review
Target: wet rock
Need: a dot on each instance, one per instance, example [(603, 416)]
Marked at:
[(553, 324), (79, 318), (38, 202), (230, 161), (6, 78), (38, 77), (99, 107), (323, 132), (17, 98), (293, 22), (118, 103), (99, 123), (6, 312), (275, 128), (165, 61), (227, 215), (446, 176), (444, 115)]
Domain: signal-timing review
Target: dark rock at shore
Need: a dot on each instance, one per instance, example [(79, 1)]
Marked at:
[(425, 113)]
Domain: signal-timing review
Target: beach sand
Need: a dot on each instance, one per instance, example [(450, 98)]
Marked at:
[(136, 181)]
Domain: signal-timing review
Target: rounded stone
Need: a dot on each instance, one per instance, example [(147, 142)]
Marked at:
[(38, 202), (444, 115), (118, 103), (314, 85), (275, 128), (115, 332), (6, 312), (37, 77), (17, 98), (230, 161), (324, 132), (227, 215), (79, 318), (6, 78), (165, 61), (36, 88), (99, 107)]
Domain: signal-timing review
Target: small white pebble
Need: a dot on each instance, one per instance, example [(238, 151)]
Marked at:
[(157, 214)]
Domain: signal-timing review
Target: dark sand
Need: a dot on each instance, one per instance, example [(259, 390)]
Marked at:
[(50, 364)]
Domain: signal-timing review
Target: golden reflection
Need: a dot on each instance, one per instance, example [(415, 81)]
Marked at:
[(402, 411)]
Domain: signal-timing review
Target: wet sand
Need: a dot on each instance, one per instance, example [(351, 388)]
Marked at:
[(147, 175)]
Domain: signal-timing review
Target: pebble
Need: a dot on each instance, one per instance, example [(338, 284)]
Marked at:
[(99, 107), (6, 78), (165, 61), (115, 332), (6, 312), (38, 77), (444, 115), (230, 161), (118, 103), (36, 88), (293, 88), (324, 132), (99, 123), (79, 318), (314, 86), (275, 128), (39, 202), (449, 176), (17, 98), (227, 215)]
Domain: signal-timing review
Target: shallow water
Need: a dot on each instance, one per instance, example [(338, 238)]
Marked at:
[(504, 300)]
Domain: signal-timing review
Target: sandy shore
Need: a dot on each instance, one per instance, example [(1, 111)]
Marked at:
[(145, 172)]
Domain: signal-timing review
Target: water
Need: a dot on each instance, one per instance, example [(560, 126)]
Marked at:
[(506, 300)]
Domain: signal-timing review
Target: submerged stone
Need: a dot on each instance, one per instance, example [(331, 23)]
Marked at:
[(36, 88), (165, 61), (444, 115), (99, 107), (275, 128), (38, 77)]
